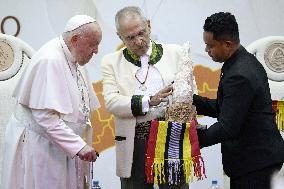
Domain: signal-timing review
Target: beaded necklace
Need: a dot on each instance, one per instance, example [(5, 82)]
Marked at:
[(143, 87), (81, 84)]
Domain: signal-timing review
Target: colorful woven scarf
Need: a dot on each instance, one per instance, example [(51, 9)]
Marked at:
[(172, 150), (278, 107)]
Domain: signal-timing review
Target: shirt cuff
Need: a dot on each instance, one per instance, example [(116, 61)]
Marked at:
[(136, 105), (145, 104)]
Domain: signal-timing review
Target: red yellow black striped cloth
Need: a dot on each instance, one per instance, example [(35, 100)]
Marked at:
[(278, 107), (172, 150)]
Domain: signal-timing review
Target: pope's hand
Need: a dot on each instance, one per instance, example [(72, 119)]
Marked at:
[(161, 96), (88, 153)]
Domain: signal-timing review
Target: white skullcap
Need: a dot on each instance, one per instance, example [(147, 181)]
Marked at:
[(77, 21)]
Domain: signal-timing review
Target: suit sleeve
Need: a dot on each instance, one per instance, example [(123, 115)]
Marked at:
[(237, 97), (205, 106)]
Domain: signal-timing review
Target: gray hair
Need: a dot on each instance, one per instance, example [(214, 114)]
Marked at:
[(130, 11)]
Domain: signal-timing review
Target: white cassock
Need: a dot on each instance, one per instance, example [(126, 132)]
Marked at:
[(47, 128)]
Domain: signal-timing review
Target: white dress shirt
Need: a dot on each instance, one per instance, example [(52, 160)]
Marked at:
[(153, 84)]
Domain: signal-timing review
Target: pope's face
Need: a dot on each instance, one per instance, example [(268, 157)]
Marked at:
[(135, 34), (87, 44)]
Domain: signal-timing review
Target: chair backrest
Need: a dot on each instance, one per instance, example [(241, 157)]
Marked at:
[(270, 52), (14, 56)]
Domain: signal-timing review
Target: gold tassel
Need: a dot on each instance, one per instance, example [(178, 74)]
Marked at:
[(187, 168), (280, 115), (159, 176)]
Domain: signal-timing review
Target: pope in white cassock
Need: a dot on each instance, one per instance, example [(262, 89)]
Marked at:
[(44, 145)]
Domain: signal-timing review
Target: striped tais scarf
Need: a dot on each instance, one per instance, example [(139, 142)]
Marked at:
[(172, 150), (278, 107)]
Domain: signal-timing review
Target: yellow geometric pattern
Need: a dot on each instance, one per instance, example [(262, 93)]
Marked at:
[(205, 88)]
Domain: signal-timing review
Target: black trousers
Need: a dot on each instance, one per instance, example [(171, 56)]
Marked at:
[(260, 179), (138, 177)]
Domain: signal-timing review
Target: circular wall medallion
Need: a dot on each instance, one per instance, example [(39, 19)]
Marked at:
[(274, 57), (6, 56)]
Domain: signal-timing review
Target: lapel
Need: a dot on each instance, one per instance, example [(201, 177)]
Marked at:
[(127, 75), (220, 93)]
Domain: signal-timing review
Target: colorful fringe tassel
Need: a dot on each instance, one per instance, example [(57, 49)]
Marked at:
[(278, 107), (172, 151)]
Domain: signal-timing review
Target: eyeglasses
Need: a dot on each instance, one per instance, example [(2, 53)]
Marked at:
[(131, 39)]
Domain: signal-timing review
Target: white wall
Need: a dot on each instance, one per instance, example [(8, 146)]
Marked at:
[(172, 21)]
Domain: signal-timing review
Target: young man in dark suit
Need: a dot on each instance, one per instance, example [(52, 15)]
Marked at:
[(252, 147)]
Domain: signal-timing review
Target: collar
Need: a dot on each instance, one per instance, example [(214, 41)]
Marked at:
[(66, 50), (232, 58), (149, 51), (155, 51)]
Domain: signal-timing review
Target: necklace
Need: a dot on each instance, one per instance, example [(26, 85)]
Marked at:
[(143, 87), (82, 87)]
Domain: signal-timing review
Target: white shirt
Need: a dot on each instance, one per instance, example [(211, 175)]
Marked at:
[(153, 84)]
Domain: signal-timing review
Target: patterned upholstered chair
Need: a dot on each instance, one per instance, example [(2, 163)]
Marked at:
[(14, 56), (270, 52)]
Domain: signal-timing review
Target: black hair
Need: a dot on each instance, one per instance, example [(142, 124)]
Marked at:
[(223, 26)]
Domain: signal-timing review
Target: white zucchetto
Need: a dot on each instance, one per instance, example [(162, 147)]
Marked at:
[(77, 21)]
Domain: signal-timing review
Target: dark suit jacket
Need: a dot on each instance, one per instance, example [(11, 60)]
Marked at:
[(245, 128)]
